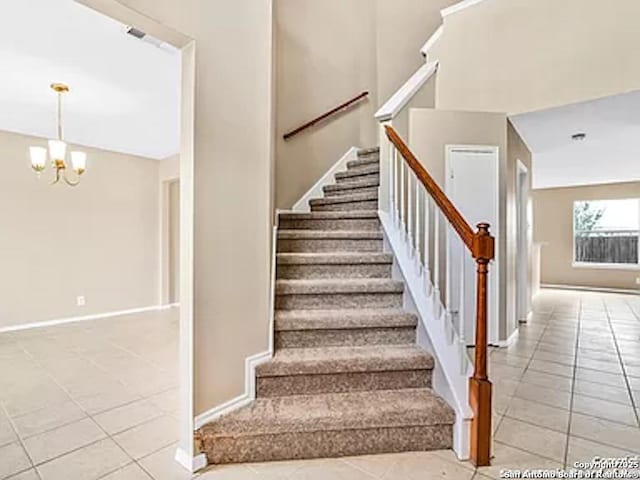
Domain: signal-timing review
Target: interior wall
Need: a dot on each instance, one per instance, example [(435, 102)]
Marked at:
[(517, 56), (98, 239), (516, 150), (174, 242), (325, 54), (403, 26), (430, 131), (553, 226), (328, 52), (232, 182)]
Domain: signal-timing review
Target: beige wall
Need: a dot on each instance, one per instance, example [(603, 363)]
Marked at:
[(325, 55), (430, 131), (521, 55), (402, 28), (232, 180), (553, 225), (327, 52), (516, 150), (98, 240), (174, 242)]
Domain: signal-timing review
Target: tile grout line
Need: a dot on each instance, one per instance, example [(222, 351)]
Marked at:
[(21, 442), (525, 369), (622, 366), (573, 385)]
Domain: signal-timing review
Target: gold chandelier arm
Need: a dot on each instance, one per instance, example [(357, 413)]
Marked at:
[(57, 177), (71, 183)]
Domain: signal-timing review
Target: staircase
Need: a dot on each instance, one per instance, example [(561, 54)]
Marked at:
[(347, 377)]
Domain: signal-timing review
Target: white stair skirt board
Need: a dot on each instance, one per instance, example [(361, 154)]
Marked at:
[(84, 318), (454, 382), (406, 92), (458, 7), (302, 205), (250, 364), (191, 463), (431, 41)]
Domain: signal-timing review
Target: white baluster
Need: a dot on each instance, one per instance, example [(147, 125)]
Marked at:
[(436, 258), (427, 230), (410, 177), (401, 200), (461, 312), (392, 179), (418, 254)]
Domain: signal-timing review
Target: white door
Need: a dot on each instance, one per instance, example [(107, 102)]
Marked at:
[(524, 234), (472, 185)]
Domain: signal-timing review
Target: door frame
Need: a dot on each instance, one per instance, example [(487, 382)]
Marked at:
[(493, 325), (524, 242)]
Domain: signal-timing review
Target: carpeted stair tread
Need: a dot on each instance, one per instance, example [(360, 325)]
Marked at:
[(335, 286), (343, 319), (368, 151), (351, 198), (330, 234), (360, 172), (363, 160), (364, 183), (341, 215), (288, 320), (334, 411), (334, 258), (331, 360)]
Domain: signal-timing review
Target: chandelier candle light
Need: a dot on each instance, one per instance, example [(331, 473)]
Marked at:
[(58, 149)]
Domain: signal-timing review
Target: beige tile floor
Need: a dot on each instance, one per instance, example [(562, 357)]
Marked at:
[(98, 400)]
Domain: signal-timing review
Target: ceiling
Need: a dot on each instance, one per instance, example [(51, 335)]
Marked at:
[(124, 92), (609, 153)]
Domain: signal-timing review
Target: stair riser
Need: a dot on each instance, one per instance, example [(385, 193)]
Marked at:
[(363, 166), (346, 206), (326, 444), (328, 245), (350, 191), (311, 384), (334, 271), (328, 301), (350, 224), (375, 270), (362, 161), (345, 337), (370, 177)]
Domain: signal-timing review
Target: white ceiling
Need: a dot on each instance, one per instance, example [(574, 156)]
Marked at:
[(124, 92), (610, 152)]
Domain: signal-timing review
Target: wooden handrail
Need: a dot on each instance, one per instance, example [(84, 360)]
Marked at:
[(326, 115), (450, 211), (481, 245)]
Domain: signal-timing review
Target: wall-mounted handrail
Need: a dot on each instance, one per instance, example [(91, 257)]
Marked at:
[(326, 115), (481, 245)]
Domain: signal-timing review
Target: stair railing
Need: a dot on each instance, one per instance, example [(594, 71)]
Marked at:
[(417, 207)]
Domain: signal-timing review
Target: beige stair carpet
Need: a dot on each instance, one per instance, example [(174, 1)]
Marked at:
[(347, 377)]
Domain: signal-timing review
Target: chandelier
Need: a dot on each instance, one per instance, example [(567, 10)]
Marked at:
[(58, 150)]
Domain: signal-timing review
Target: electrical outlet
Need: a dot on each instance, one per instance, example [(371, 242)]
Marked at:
[(80, 301)]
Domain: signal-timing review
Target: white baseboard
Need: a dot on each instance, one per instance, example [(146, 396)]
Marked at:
[(302, 205), (189, 462), (249, 394), (591, 289), (84, 318), (512, 338)]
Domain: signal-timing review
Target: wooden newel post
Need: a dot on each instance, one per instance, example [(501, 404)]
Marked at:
[(479, 384)]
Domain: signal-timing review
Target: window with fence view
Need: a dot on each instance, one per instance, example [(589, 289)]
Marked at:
[(607, 231)]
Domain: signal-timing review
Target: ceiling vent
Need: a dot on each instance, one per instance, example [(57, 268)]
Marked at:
[(140, 35)]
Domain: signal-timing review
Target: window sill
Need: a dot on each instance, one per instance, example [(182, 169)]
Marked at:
[(607, 266)]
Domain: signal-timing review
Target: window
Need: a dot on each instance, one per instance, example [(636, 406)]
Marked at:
[(607, 231)]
